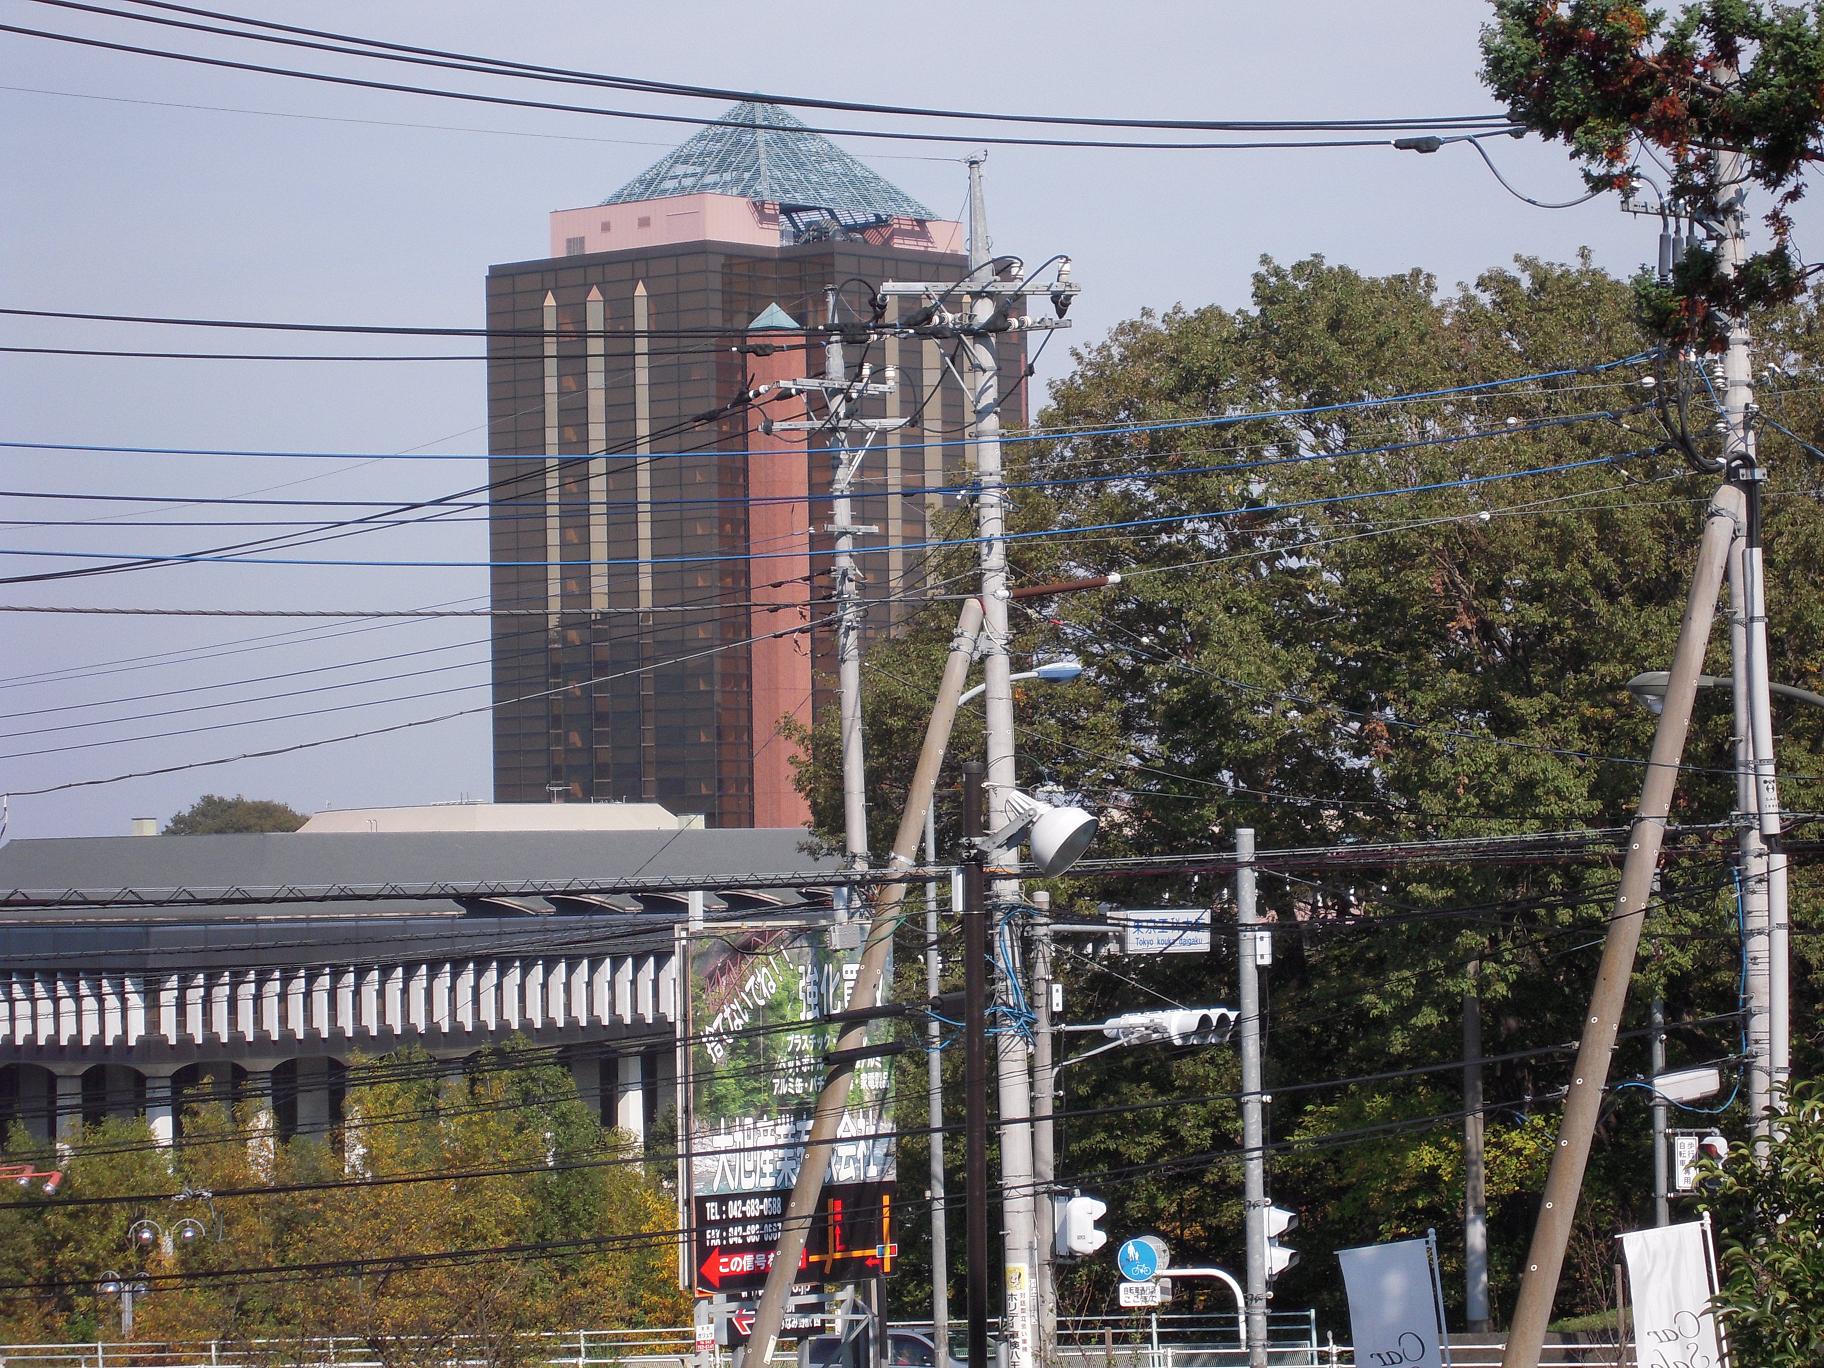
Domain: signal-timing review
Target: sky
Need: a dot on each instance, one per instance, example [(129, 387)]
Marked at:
[(136, 185)]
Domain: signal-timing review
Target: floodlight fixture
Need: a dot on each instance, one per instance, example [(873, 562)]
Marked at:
[(1689, 1085), (1057, 836)]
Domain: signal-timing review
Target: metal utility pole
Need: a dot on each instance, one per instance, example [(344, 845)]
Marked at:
[(1253, 1129), (1044, 1159), (1751, 857), (934, 1086), (801, 1208), (1656, 1044), (1765, 877), (975, 1065), (1475, 1176), (1583, 1099)]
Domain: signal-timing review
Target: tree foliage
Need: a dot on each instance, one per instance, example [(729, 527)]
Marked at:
[(1615, 81), (1349, 621), (1772, 1220), (214, 815), (407, 1267)]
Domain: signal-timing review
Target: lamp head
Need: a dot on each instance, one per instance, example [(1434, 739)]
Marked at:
[(1057, 836), (1649, 690)]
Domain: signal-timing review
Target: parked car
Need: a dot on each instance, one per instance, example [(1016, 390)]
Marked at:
[(905, 1349)]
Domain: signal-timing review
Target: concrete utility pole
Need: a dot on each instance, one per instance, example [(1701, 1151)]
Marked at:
[(994, 287), (1017, 1206), (807, 1188), (841, 394), (1583, 1099), (1253, 1129), (1751, 857)]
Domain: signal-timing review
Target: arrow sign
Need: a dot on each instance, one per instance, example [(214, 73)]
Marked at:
[(743, 1318)]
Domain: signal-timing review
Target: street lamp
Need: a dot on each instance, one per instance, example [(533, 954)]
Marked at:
[(48, 1180), (1649, 690), (125, 1290), (147, 1234), (1051, 672)]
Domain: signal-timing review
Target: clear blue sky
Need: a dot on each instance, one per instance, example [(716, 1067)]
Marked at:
[(139, 186)]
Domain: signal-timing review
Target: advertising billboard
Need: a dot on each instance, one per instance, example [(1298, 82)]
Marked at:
[(756, 1036)]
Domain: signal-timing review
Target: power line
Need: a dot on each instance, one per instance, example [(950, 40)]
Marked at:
[(497, 66), (1029, 435), (409, 724), (1129, 524), (471, 97)]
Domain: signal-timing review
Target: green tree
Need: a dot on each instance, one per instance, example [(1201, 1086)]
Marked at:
[(1357, 621), (401, 1220), (1612, 77), (214, 815), (1771, 1217)]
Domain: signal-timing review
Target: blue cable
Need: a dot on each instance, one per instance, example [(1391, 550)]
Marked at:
[(1809, 449), (1178, 425), (937, 544), (918, 491)]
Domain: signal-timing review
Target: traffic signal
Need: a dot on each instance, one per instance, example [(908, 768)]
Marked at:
[(1279, 1258), (1177, 1025), (1076, 1228), (1199, 1026)]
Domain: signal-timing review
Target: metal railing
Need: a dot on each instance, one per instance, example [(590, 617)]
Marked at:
[(1181, 1341)]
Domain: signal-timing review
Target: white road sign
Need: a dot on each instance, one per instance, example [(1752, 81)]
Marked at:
[(1140, 1294), (1163, 930)]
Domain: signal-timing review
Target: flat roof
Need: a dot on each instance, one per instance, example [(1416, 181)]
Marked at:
[(295, 874)]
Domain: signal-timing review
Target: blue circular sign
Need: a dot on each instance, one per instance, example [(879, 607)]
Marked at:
[(1138, 1260)]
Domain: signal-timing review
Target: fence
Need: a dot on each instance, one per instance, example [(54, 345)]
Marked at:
[(1176, 1341)]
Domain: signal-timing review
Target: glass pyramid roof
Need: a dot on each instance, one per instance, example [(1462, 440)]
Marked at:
[(762, 152)]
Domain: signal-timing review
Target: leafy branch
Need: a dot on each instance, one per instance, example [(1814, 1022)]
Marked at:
[(1606, 77)]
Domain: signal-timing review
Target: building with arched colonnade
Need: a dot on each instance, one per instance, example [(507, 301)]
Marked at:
[(141, 973)]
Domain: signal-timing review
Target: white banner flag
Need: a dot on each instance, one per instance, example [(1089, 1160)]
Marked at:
[(1393, 1308), (1669, 1273)]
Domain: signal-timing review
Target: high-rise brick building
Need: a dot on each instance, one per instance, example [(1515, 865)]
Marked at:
[(653, 547)]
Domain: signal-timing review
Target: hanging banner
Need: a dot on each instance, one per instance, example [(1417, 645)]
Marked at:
[(757, 1034), (1670, 1272), (1393, 1304)]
